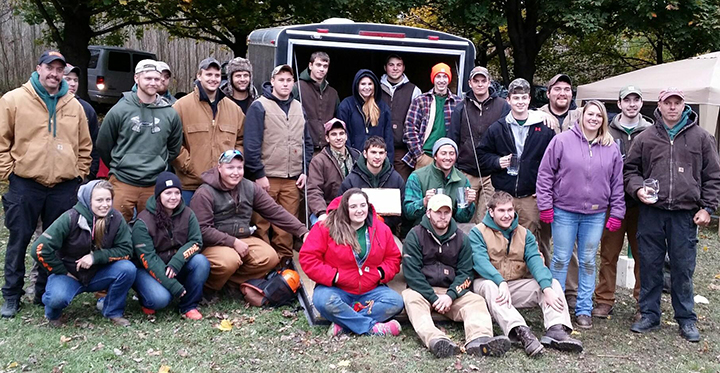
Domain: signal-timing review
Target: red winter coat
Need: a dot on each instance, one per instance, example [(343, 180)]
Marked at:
[(321, 258)]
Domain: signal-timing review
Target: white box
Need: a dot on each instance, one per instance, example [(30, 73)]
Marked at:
[(625, 272)]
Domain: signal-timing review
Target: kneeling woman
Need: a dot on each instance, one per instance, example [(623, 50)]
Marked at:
[(87, 249), (351, 255), (167, 240)]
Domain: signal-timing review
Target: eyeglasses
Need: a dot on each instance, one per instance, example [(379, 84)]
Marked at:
[(228, 155)]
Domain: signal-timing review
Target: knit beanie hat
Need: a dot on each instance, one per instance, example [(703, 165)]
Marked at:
[(440, 68), (442, 142), (238, 64), (166, 180)]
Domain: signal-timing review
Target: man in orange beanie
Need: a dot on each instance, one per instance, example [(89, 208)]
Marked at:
[(428, 118)]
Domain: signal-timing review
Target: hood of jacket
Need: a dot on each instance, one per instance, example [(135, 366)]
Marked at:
[(133, 100), (490, 223), (151, 206), (452, 228), (386, 85), (645, 122), (361, 166), (692, 119), (212, 178), (267, 90), (493, 93), (358, 76), (305, 75), (84, 196), (372, 215)]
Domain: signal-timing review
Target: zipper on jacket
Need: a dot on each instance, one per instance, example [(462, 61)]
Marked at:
[(670, 187)]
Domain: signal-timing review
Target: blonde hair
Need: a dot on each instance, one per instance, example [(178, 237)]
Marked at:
[(603, 134), (99, 224), (371, 111), (338, 221)]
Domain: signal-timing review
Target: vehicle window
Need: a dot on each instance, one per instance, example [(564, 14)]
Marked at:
[(137, 57), (119, 61), (94, 55)]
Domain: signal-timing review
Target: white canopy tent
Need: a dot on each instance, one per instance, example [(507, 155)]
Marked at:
[(698, 77)]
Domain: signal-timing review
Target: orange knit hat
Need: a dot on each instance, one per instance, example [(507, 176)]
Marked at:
[(440, 68)]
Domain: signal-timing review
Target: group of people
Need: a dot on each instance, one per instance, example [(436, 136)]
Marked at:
[(500, 207)]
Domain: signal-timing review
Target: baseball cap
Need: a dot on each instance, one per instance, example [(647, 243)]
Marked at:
[(228, 155), (280, 68), (162, 66), (50, 56), (334, 123), (146, 65), (559, 78), (628, 90), (479, 70), (71, 69), (206, 63), (442, 142), (439, 200), (669, 92), (519, 84)]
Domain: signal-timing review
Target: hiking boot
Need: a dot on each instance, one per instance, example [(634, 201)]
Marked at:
[(391, 327), (690, 332), (571, 302), (193, 314), (558, 338), (602, 311), (120, 321), (583, 322), (488, 346), (644, 326), (57, 323), (529, 342), (10, 308), (443, 347), (336, 330)]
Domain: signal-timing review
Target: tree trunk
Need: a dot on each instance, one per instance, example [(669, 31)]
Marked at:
[(526, 35), (240, 47), (503, 59)]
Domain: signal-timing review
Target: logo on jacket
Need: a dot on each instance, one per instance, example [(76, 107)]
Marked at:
[(138, 124)]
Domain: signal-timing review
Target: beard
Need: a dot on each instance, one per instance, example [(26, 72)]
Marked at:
[(237, 88)]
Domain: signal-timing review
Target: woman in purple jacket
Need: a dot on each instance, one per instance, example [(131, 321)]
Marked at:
[(580, 177)]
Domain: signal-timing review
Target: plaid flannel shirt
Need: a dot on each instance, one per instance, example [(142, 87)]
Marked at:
[(416, 123)]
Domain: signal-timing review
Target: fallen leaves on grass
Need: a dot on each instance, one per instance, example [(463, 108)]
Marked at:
[(13, 365), (473, 367), (153, 352), (288, 314), (64, 339), (117, 352), (344, 363), (712, 286), (225, 325), (183, 353), (164, 369), (458, 365), (99, 346), (717, 276)]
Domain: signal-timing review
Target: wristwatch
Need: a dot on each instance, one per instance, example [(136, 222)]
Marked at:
[(709, 210)]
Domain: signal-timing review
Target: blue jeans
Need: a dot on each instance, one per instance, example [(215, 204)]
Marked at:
[(567, 228), (336, 305), (192, 275), (187, 196), (674, 233), (116, 278)]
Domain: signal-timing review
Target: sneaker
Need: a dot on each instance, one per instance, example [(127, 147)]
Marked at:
[(193, 314), (443, 347), (644, 326), (602, 311), (558, 338), (571, 302), (100, 304), (10, 308), (583, 322), (690, 332), (488, 346), (391, 327), (120, 321), (336, 330), (147, 311), (529, 342)]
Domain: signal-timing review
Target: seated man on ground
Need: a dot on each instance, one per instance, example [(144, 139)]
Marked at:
[(223, 205), (439, 177), (375, 170), (328, 168), (438, 268), (513, 275), (351, 256)]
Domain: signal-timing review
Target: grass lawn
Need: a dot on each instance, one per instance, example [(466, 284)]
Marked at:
[(282, 341)]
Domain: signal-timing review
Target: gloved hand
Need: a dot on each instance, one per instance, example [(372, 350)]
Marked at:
[(613, 224), (547, 216)]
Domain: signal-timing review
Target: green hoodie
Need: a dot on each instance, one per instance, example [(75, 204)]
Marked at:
[(49, 100), (137, 140), (143, 245), (373, 180), (533, 260), (305, 75), (413, 261)]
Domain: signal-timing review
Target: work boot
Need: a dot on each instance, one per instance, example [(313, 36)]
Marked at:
[(488, 346), (584, 321), (571, 302), (558, 338), (602, 311), (443, 347), (120, 321), (644, 326), (690, 332), (10, 308), (529, 342)]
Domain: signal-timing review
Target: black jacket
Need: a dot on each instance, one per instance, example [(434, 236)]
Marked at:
[(499, 141)]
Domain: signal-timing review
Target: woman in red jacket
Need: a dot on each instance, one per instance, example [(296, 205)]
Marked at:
[(351, 255)]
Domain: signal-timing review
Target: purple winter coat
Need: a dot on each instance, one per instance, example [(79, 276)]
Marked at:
[(581, 178)]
